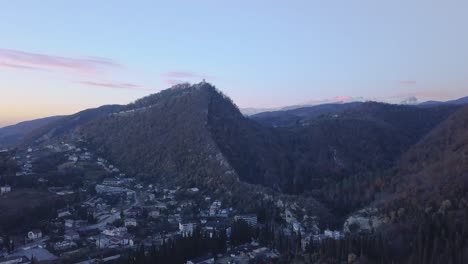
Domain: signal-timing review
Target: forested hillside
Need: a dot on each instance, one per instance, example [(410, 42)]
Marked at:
[(14, 134)]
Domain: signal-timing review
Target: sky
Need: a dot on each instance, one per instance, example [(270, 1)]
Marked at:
[(60, 57)]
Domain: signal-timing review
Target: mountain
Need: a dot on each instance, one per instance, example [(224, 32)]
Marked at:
[(296, 116), (176, 136), (332, 101), (460, 101), (11, 135)]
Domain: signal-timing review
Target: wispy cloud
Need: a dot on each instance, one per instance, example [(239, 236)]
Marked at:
[(127, 86), (26, 60), (15, 66)]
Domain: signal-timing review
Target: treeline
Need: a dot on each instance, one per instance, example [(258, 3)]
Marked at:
[(180, 250), (433, 239)]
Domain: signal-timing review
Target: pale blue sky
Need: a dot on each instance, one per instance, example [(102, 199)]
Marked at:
[(261, 53)]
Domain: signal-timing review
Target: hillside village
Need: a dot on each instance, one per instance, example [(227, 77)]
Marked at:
[(108, 214)]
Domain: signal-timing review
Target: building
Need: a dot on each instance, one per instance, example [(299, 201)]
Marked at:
[(5, 189), (154, 213), (130, 222), (111, 182), (194, 190), (125, 240), (71, 235), (69, 223), (64, 245), (114, 231), (250, 219), (63, 212), (133, 212), (214, 207), (187, 228), (102, 241), (296, 227), (34, 234), (333, 234)]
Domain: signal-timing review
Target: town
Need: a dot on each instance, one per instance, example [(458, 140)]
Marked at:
[(106, 215)]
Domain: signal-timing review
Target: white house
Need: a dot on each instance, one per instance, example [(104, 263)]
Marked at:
[(154, 213), (69, 223), (71, 235), (5, 189), (187, 228), (34, 234), (63, 212), (115, 231), (130, 222)]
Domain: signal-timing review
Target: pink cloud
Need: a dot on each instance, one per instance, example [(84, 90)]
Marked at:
[(128, 86), (341, 98), (408, 82), (23, 60), (15, 66)]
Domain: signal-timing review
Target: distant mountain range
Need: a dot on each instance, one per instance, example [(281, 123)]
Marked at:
[(460, 101), (344, 100)]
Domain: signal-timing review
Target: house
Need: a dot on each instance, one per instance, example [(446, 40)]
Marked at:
[(34, 234), (202, 260), (332, 234), (250, 219), (63, 245), (5, 189), (102, 241), (111, 182), (214, 208), (114, 231), (69, 223), (154, 213), (71, 235), (194, 190), (130, 222), (133, 212), (297, 227), (63, 212), (14, 260), (121, 241), (187, 228)]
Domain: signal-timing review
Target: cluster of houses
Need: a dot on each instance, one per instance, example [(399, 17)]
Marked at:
[(246, 253)]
